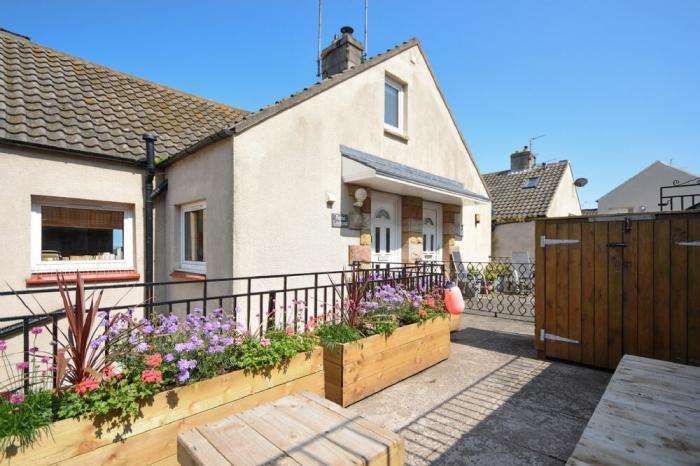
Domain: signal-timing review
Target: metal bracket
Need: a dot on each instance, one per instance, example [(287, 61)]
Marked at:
[(544, 242), (688, 243), (551, 337)]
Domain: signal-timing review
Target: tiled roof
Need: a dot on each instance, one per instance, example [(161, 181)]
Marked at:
[(585, 212), (512, 202), (49, 98)]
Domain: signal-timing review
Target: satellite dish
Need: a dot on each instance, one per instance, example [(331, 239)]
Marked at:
[(580, 182)]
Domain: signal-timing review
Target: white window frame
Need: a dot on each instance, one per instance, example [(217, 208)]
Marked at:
[(39, 266), (401, 103), (192, 266)]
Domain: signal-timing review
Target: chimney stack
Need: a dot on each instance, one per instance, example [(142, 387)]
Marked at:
[(522, 160), (343, 53)]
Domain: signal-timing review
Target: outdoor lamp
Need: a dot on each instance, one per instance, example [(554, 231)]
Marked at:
[(360, 196)]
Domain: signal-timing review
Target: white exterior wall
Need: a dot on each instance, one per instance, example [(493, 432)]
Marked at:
[(565, 201), (284, 166), (26, 173), (641, 192)]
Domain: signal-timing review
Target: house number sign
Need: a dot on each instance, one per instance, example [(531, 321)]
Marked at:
[(339, 220)]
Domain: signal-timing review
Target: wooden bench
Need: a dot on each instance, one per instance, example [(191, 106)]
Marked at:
[(297, 429), (648, 415)]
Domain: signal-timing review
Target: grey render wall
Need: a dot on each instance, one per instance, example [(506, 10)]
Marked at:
[(509, 237)]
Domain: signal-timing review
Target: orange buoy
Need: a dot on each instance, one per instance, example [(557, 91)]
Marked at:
[(454, 302)]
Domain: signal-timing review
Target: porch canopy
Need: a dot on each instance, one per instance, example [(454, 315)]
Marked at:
[(384, 175)]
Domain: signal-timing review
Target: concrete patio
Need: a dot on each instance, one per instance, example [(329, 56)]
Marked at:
[(491, 402)]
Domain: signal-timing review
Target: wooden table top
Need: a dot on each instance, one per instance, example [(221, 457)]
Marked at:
[(297, 429), (649, 414)]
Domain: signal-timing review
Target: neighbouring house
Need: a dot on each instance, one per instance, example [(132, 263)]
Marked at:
[(643, 192), (524, 193), (368, 164)]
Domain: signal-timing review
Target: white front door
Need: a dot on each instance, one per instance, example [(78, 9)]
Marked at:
[(432, 232), (386, 228)]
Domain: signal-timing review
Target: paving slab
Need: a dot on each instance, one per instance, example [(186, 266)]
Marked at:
[(492, 402)]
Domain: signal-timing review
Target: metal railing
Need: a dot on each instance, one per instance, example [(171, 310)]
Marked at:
[(259, 302)]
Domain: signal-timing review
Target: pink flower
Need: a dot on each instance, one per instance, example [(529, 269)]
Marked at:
[(153, 360), (289, 331), (265, 342), (22, 365), (46, 359), (422, 313), (33, 349), (152, 376), (3, 345), (109, 372), (37, 330), (238, 341), (16, 398), (87, 385)]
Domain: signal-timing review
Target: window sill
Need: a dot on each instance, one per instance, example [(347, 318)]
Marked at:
[(49, 278), (185, 275), (395, 134)]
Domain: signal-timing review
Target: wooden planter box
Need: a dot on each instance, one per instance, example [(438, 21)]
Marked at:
[(356, 370), (455, 322), (153, 437)]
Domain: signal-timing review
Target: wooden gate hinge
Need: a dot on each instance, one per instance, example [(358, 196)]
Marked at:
[(688, 243), (551, 337), (544, 241)]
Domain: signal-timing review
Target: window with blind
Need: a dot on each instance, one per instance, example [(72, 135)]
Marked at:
[(73, 237), (193, 237)]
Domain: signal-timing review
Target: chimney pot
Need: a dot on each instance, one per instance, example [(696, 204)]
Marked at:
[(343, 53), (346, 30)]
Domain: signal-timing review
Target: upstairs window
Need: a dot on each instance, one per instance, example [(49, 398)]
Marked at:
[(393, 105), (70, 236), (531, 182), (193, 237)]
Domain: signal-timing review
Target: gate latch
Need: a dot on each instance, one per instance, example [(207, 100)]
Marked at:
[(544, 241), (551, 337)]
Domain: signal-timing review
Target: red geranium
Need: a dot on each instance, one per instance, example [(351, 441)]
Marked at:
[(152, 376), (430, 302), (422, 313), (86, 385), (153, 360)]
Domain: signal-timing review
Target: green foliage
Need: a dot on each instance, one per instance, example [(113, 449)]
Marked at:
[(332, 334), (118, 397), (376, 323), (23, 423), (255, 356)]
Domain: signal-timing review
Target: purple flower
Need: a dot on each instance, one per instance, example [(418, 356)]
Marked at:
[(183, 347), (94, 344), (147, 329), (133, 338), (141, 347), (170, 357), (37, 330), (185, 364), (227, 341), (22, 365), (215, 349), (183, 376), (225, 327), (16, 398)]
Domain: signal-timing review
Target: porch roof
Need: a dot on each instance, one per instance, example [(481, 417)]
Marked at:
[(384, 175)]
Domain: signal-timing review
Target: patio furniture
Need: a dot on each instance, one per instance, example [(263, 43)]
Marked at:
[(296, 429), (466, 280), (649, 414)]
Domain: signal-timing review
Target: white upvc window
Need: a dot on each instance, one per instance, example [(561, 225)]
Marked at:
[(394, 105), (193, 238), (68, 235)]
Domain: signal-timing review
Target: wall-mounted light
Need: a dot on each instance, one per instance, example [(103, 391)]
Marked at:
[(477, 219), (330, 199), (360, 196)]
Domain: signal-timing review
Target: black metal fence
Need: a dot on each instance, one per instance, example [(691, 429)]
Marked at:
[(259, 302)]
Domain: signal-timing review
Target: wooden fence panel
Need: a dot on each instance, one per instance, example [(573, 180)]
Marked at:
[(627, 284)]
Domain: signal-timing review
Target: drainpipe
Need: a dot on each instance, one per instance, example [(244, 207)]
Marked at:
[(150, 139)]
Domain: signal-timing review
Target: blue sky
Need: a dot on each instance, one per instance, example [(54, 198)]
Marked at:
[(614, 85)]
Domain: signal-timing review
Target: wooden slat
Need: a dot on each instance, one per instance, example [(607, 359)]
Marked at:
[(587, 294), (615, 255), (194, 449), (678, 313), (601, 294), (645, 280), (649, 414), (630, 291), (662, 256), (574, 282), (550, 322), (540, 278), (694, 293), (562, 309)]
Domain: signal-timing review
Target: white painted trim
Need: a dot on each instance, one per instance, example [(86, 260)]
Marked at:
[(401, 103), (438, 239), (39, 266), (192, 266)]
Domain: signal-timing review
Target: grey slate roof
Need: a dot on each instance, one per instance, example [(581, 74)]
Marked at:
[(512, 202), (404, 172), (49, 98)]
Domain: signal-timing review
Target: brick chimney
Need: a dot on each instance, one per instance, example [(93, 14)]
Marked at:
[(522, 160), (343, 53)]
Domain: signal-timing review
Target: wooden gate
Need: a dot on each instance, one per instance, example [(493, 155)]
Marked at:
[(627, 284)]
